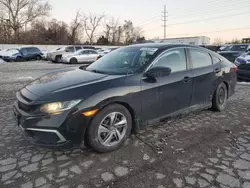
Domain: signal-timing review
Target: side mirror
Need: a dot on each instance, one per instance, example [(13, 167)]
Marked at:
[(67, 50), (158, 72)]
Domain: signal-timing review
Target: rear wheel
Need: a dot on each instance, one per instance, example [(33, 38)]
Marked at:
[(109, 129), (220, 98), (73, 61)]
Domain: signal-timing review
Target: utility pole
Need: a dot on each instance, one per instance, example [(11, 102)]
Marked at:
[(165, 20)]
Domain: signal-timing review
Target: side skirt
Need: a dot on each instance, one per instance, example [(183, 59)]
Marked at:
[(181, 112)]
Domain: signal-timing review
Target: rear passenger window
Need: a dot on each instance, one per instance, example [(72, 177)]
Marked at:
[(29, 50), (215, 59), (200, 58), (92, 52)]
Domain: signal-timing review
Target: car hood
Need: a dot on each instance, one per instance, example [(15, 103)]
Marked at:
[(61, 80)]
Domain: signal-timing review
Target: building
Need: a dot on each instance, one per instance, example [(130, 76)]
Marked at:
[(198, 40), (246, 40)]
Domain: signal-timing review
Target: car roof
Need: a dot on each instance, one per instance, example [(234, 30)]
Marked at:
[(162, 45)]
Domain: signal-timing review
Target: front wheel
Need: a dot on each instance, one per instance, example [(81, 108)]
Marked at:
[(109, 129), (19, 58), (220, 98)]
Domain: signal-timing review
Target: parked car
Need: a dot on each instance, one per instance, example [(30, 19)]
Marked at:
[(80, 56), (235, 51), (105, 51), (122, 92), (56, 56), (3, 52), (223, 48), (23, 54), (44, 54), (214, 48), (243, 63)]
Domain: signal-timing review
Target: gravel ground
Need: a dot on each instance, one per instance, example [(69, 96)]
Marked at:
[(202, 149)]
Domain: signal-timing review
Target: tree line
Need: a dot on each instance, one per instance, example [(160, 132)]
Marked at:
[(27, 22)]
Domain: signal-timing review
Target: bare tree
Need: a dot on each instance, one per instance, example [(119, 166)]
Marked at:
[(19, 13), (91, 23), (235, 41), (131, 33), (218, 41), (74, 28)]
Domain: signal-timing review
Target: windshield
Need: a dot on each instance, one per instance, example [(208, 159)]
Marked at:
[(224, 48), (241, 48), (14, 51), (123, 61)]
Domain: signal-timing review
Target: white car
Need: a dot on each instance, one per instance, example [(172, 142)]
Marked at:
[(6, 52), (81, 56)]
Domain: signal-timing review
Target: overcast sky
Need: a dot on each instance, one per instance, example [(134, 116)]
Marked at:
[(225, 19)]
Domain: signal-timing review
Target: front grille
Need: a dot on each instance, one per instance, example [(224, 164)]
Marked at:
[(27, 108), (44, 137)]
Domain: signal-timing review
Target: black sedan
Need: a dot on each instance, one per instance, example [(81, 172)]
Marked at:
[(235, 51), (129, 88)]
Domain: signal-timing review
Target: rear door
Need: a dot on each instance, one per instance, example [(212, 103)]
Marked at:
[(92, 55), (84, 57), (205, 75)]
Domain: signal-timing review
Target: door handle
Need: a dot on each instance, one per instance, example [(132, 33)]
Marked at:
[(217, 70), (187, 79)]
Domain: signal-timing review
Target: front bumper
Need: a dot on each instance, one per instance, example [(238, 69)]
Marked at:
[(8, 58), (61, 130)]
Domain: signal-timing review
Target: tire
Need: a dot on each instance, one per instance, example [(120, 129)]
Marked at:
[(73, 61), (19, 59), (220, 98), (96, 138), (38, 57), (58, 59)]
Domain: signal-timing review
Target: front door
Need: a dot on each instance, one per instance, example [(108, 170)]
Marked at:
[(170, 93)]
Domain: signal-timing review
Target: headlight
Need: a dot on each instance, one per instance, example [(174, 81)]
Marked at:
[(57, 107)]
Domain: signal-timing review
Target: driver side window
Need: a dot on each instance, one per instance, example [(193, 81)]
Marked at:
[(175, 59)]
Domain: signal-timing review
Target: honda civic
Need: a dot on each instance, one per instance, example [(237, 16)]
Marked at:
[(99, 106)]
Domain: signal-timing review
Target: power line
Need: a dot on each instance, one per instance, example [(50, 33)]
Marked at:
[(153, 20), (214, 18), (165, 20), (146, 20), (218, 31), (202, 12), (194, 21), (216, 4)]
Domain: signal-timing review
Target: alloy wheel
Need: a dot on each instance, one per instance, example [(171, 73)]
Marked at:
[(221, 96), (112, 129)]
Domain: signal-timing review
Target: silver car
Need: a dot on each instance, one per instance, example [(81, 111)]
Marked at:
[(80, 56)]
